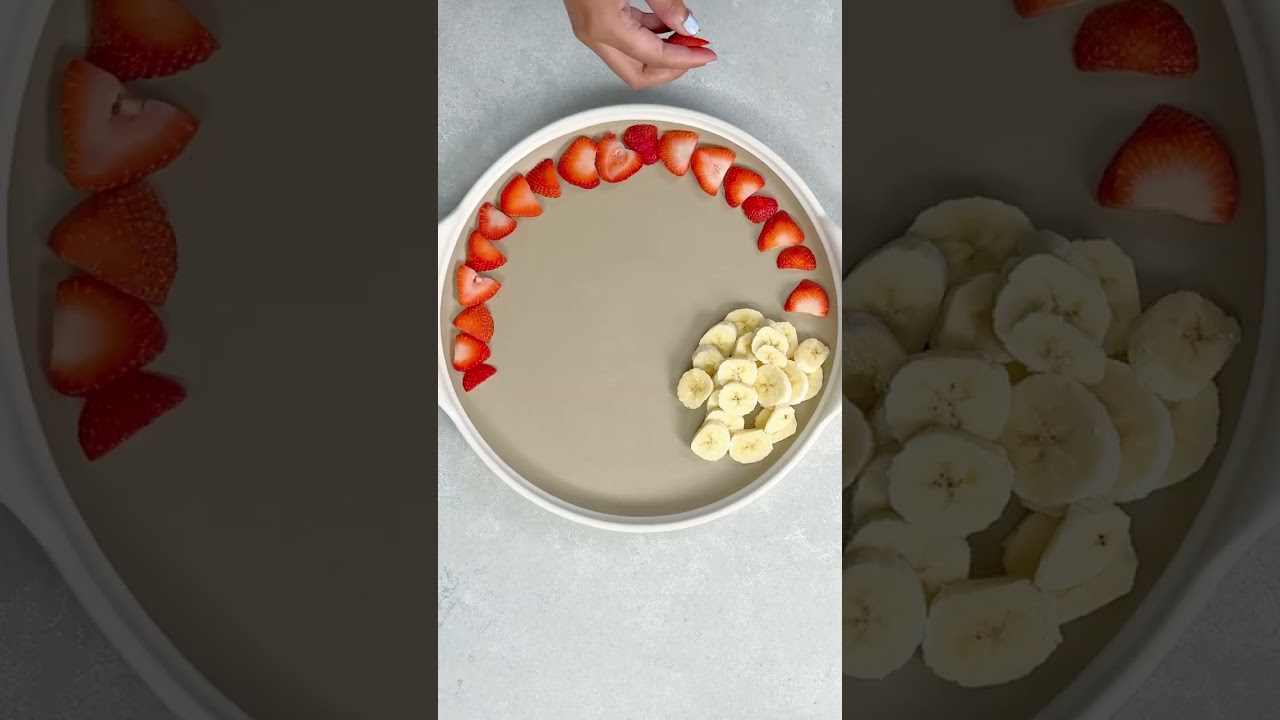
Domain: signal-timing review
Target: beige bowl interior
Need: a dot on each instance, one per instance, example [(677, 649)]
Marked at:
[(603, 300), (979, 101)]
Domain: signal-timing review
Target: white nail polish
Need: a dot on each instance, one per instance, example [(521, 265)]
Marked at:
[(691, 25)]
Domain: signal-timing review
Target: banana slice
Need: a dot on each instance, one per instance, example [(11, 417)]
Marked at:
[(1180, 343), (737, 399), (962, 391), (722, 336), (871, 494), (1114, 270), (1025, 545), (1084, 543), (976, 235), (750, 446), (1195, 433), (811, 354), (713, 401), (1041, 242), (1061, 442), (799, 382), (772, 386), (786, 432), (902, 285), (742, 346), (989, 632), (815, 385), (1145, 429), (1053, 511), (707, 358), (858, 443), (950, 481), (777, 418), (737, 370), (789, 332), (745, 319), (770, 346), (872, 356), (733, 422), (964, 322), (880, 429), (694, 388), (1047, 283), (1044, 342), (711, 442), (883, 615), (938, 559)]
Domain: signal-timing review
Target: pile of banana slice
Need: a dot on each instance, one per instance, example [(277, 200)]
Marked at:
[(743, 362), (986, 360)]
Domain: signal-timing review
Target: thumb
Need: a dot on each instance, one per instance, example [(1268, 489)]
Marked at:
[(675, 15)]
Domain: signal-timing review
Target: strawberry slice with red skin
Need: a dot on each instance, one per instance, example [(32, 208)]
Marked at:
[(644, 140), (1174, 163), (99, 335), (797, 257), (476, 375), (759, 208), (111, 137), (740, 184), (688, 41), (615, 161), (474, 288), (122, 237), (1036, 8), (578, 164), (136, 39), (482, 254), (493, 223), (121, 410), (709, 165), (517, 199), (676, 150), (779, 231), (542, 179), (1142, 36), (808, 298), (476, 321), (468, 352)]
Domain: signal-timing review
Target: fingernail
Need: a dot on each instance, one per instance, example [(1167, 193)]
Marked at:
[(691, 25)]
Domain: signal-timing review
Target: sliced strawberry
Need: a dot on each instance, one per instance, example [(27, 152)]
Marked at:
[(578, 164), (476, 321), (687, 41), (676, 150), (135, 39), (468, 352), (119, 411), (797, 257), (710, 165), (808, 298), (740, 184), (644, 140), (759, 208), (614, 161), (473, 288), (1173, 163), (494, 224), (1143, 36), (99, 335), (112, 138), (779, 231), (1035, 8), (477, 375), (517, 199), (543, 181), (122, 237), (482, 254)]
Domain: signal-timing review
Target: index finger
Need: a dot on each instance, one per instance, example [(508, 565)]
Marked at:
[(652, 51)]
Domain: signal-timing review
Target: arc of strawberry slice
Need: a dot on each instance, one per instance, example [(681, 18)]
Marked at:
[(1143, 36), (1036, 8), (517, 199), (114, 414), (676, 150), (543, 180), (468, 352), (122, 237), (578, 164), (643, 139), (493, 223), (482, 254), (710, 165), (616, 162), (474, 288), (780, 230), (476, 375), (808, 298), (740, 184), (476, 321), (759, 208), (136, 39), (112, 137), (687, 41), (797, 257), (99, 335)]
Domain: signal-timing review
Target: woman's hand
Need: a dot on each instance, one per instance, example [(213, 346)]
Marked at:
[(625, 38)]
